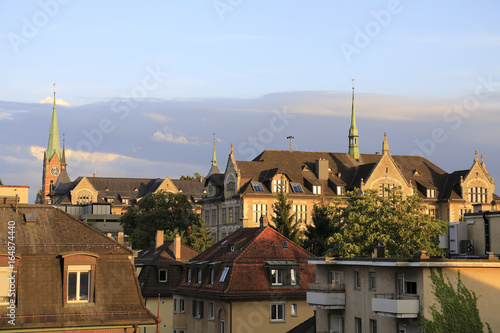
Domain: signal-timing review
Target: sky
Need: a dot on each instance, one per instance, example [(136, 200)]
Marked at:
[(142, 86)]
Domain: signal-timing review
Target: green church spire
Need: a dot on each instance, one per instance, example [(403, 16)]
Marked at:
[(353, 132), (214, 158), (54, 146)]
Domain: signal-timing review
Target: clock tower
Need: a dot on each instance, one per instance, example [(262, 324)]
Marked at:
[(53, 159)]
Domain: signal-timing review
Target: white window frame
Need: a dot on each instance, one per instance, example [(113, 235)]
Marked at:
[(189, 275), (211, 311), (280, 315), (182, 307), (222, 326), (373, 281), (166, 275), (293, 276), (211, 275), (79, 269), (199, 275), (294, 310), (277, 276), (317, 189)]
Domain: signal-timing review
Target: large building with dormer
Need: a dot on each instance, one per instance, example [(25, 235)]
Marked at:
[(247, 190)]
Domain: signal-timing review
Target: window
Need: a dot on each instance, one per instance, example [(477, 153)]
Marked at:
[(433, 213), (373, 326), (357, 323), (317, 189), (236, 214), (230, 189), (83, 199), (258, 211), (230, 215), (276, 277), (211, 275), (125, 201), (214, 216), (79, 283), (224, 220), (300, 213), (4, 285), (257, 186), (162, 275), (222, 327), (406, 284), (277, 312), (197, 309), (198, 275), (293, 277), (211, 310), (207, 216), (223, 275), (340, 190), (462, 213), (279, 185), (478, 194), (357, 280), (385, 190), (188, 278), (337, 278), (175, 305), (297, 188), (373, 280), (181, 305), (294, 310), (431, 193)]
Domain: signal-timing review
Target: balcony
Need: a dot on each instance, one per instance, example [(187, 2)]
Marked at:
[(397, 307), (326, 296)]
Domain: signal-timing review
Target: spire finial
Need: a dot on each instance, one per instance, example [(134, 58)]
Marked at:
[(214, 158), (385, 145), (475, 155), (232, 149)]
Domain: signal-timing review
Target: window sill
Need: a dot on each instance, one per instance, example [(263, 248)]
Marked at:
[(79, 304)]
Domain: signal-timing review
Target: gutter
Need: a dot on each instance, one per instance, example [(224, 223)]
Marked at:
[(76, 328)]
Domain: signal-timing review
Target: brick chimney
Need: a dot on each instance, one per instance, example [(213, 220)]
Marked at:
[(177, 247), (322, 169), (159, 238), (121, 238), (264, 222)]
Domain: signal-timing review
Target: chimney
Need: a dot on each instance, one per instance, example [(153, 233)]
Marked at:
[(95, 173), (109, 235), (263, 221), (159, 238), (177, 247), (322, 169), (121, 237), (379, 251)]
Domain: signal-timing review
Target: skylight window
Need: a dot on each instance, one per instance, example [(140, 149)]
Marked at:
[(297, 188), (257, 186), (224, 274), (285, 244)]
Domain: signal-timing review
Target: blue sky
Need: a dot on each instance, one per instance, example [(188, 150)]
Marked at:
[(222, 65)]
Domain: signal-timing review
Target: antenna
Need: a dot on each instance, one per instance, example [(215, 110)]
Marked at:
[(290, 138)]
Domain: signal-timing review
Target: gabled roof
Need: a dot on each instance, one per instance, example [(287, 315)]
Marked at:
[(40, 245), (247, 272)]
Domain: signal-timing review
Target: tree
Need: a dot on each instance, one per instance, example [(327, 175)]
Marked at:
[(320, 230), (200, 236), (284, 218), (1, 182), (196, 176), (399, 224), (157, 211), (458, 311), (39, 197)]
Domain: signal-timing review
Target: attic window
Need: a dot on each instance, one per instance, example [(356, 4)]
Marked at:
[(162, 277), (257, 186), (297, 188), (30, 218), (224, 274), (340, 190), (231, 247), (431, 193), (285, 244), (317, 189)]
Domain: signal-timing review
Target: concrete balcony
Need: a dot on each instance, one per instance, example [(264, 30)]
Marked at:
[(397, 307), (326, 296)]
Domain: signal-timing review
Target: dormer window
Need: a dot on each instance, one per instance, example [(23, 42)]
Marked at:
[(283, 273), (431, 193), (231, 247), (317, 189), (199, 275), (188, 277), (277, 277), (279, 185), (211, 275), (162, 275), (340, 190), (231, 186), (79, 277)]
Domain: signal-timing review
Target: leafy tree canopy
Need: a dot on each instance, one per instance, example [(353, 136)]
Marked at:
[(458, 312), (399, 224), (198, 236), (196, 176), (320, 230), (157, 211), (39, 197), (1, 182), (284, 219)]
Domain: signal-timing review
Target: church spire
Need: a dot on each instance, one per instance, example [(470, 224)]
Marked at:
[(353, 132), (54, 146), (63, 159), (214, 158), (385, 145)]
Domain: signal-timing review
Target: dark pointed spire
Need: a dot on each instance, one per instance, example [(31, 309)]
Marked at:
[(353, 131), (63, 159)]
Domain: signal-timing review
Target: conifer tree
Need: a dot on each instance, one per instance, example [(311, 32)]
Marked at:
[(284, 218)]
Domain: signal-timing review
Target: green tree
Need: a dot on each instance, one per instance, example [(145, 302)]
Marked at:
[(458, 312), (157, 211), (284, 218), (1, 182), (196, 176), (200, 236), (39, 197), (320, 230), (399, 224)]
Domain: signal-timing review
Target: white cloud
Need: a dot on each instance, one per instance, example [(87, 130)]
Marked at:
[(168, 136), (158, 117), (8, 115), (51, 100)]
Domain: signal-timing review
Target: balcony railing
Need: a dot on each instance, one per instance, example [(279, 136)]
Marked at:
[(326, 296), (389, 305)]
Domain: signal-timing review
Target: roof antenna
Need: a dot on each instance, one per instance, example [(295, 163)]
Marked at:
[(290, 138)]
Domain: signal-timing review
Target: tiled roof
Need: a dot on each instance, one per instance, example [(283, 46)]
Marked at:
[(247, 272), (39, 246)]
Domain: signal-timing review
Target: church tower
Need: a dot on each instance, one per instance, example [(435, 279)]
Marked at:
[(353, 132), (52, 158)]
